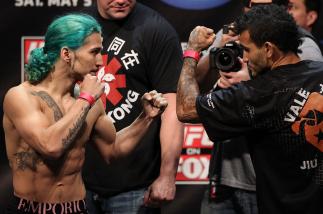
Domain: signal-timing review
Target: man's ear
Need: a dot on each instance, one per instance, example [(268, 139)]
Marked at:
[(311, 17), (269, 49), (66, 54)]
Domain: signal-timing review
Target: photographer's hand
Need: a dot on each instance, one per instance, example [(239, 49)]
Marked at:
[(227, 79), (200, 38)]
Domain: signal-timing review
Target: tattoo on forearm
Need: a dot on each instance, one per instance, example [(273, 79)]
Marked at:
[(74, 131), (27, 159), (50, 102), (188, 88)]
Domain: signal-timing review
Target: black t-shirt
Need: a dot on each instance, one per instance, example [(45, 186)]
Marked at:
[(281, 112), (142, 53)]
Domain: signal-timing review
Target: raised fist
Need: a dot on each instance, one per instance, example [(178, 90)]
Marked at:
[(92, 85), (153, 103), (200, 38)]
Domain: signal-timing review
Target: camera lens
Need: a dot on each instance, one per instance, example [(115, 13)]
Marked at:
[(225, 59)]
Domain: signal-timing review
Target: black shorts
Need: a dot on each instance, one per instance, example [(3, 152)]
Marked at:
[(20, 205)]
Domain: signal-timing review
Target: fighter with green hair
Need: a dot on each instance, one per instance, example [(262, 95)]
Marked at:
[(46, 127)]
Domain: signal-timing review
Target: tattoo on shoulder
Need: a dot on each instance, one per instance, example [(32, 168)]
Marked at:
[(50, 102), (74, 131), (27, 160)]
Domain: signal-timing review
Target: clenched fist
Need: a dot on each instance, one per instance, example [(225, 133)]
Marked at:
[(92, 85), (153, 103), (200, 38)]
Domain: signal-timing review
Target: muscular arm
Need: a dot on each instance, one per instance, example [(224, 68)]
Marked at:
[(128, 138), (171, 138), (188, 88), (187, 91), (51, 140)]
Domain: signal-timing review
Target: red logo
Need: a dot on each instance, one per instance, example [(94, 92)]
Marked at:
[(196, 137), (28, 43), (113, 81), (310, 122), (193, 169)]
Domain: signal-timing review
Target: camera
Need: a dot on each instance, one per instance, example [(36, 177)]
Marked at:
[(226, 58)]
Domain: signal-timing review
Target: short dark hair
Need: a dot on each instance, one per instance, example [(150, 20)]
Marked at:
[(270, 23)]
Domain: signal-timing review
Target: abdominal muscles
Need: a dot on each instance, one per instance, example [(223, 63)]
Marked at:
[(44, 180)]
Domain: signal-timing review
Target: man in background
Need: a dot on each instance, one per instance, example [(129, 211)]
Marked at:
[(142, 53), (305, 13)]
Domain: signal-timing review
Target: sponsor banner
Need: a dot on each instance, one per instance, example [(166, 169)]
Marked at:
[(193, 169), (29, 43), (196, 137), (195, 159)]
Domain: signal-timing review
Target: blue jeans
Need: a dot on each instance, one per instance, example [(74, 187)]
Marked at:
[(238, 202), (124, 203)]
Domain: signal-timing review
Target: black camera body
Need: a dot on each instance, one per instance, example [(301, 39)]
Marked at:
[(227, 58)]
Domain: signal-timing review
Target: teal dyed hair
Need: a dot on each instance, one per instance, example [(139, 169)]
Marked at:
[(66, 31)]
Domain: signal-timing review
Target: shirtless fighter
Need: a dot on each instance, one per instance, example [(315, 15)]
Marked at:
[(46, 127)]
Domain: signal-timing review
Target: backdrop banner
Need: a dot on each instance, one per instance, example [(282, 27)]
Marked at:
[(23, 24)]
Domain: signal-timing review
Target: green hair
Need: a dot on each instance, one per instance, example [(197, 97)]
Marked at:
[(66, 31)]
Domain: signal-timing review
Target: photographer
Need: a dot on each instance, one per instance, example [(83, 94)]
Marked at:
[(232, 178), (269, 110)]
